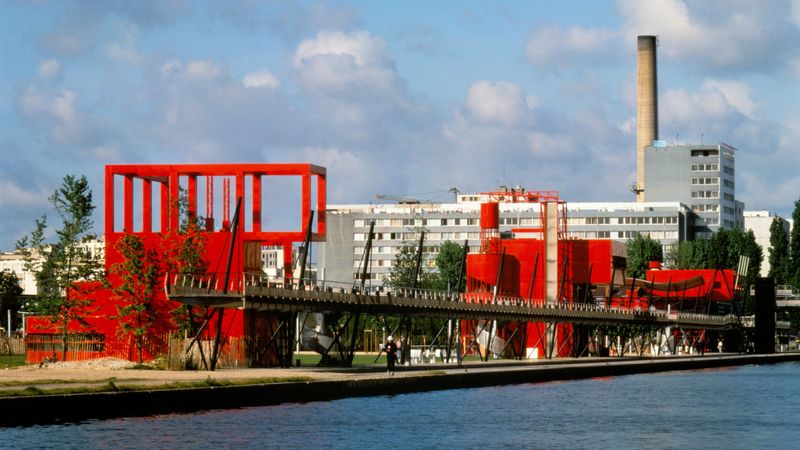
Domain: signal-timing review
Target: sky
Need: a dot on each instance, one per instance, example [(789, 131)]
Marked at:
[(394, 98)]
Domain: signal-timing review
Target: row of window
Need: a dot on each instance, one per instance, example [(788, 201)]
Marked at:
[(417, 222), (508, 221), (705, 194), (650, 220), (705, 167), (701, 208), (728, 197), (706, 221), (705, 180), (728, 170), (432, 236), (728, 183)]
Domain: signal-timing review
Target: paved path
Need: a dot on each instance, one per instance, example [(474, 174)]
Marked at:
[(76, 375)]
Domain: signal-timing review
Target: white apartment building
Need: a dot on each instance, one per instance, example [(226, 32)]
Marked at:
[(340, 257), (15, 262), (760, 222)]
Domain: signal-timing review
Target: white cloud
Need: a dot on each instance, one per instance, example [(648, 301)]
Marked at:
[(716, 35), (501, 102), (11, 194), (345, 169), (551, 45), (736, 93), (262, 79), (547, 146), (690, 108), (714, 103), (334, 60), (202, 70), (125, 48), (50, 68), (795, 13), (59, 109)]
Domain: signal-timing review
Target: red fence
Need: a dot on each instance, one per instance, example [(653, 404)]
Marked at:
[(172, 350)]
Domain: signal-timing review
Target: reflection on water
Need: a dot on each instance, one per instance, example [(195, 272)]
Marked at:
[(743, 407)]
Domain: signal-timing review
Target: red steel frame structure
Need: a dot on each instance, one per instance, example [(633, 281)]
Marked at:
[(169, 176), (514, 267), (155, 189)]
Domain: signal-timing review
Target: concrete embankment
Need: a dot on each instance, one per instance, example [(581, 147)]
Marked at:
[(81, 406)]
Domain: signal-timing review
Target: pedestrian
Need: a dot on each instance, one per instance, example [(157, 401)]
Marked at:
[(391, 354), (719, 346)]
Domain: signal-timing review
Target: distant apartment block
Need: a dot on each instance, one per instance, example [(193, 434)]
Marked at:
[(701, 176), (397, 224), (760, 222)]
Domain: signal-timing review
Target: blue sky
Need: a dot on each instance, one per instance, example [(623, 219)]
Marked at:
[(393, 98)]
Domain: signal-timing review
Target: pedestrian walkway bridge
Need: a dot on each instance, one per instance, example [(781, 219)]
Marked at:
[(259, 292)]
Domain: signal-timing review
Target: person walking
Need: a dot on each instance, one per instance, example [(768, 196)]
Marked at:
[(391, 354)]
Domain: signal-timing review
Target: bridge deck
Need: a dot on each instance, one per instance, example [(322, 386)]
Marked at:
[(427, 303)]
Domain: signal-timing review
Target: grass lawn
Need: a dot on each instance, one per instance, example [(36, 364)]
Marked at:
[(7, 361), (312, 359)]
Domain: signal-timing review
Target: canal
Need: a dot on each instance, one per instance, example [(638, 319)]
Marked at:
[(738, 407)]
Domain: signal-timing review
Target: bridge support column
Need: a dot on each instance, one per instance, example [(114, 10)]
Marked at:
[(765, 316)]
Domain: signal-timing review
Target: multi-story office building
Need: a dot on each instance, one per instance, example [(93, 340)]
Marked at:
[(701, 176), (399, 224)]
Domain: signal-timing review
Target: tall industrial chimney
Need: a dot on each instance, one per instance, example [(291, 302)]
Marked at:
[(646, 105)]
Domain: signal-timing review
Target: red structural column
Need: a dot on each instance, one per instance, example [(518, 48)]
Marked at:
[(256, 203), (147, 206), (240, 193), (209, 203), (174, 194), (192, 196), (128, 204), (321, 189), (306, 200), (109, 200), (164, 219), (287, 260)]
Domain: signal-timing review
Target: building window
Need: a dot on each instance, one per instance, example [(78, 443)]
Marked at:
[(705, 153)]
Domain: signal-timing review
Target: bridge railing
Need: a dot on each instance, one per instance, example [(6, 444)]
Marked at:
[(239, 283)]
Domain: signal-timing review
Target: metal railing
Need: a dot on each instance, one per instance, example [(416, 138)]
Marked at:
[(240, 284)]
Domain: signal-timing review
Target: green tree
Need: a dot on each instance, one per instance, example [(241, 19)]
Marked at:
[(794, 247), (64, 269), (184, 252), (10, 294), (642, 250), (404, 267), (778, 252), (139, 281), (448, 264)]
